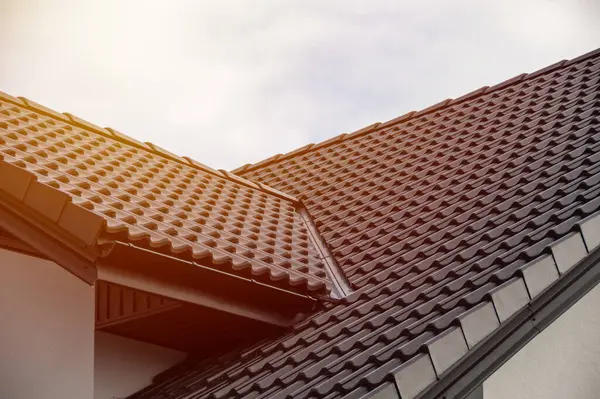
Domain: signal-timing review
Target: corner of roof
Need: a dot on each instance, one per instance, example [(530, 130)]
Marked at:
[(414, 114)]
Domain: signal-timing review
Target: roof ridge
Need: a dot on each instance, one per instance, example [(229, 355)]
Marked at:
[(415, 114), (146, 146)]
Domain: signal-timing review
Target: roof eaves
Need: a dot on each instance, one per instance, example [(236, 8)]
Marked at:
[(193, 282), (64, 241), (27, 192)]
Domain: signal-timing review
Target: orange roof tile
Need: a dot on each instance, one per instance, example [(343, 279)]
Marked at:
[(94, 182)]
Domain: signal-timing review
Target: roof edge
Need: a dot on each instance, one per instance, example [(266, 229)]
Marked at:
[(51, 243), (415, 114), (508, 317), (114, 134), (526, 324)]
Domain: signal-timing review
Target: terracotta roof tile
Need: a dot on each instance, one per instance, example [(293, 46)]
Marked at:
[(427, 215), (67, 169)]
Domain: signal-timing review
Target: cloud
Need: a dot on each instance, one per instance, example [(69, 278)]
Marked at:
[(237, 81)]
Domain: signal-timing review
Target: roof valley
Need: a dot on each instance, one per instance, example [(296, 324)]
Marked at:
[(341, 286)]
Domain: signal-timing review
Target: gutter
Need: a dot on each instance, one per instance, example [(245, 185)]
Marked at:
[(197, 284), (150, 271)]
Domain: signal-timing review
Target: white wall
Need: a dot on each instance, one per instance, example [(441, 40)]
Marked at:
[(46, 330), (563, 361), (124, 366)]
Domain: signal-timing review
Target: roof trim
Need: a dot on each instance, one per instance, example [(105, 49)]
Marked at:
[(48, 241), (414, 114), (500, 346)]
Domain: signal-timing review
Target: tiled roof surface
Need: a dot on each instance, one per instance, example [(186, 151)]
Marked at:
[(428, 215), (68, 169)]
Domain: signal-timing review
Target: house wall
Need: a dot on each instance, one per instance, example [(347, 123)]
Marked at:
[(124, 366), (46, 330), (563, 361)]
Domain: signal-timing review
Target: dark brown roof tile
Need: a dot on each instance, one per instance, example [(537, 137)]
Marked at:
[(506, 83), (546, 70), (432, 108), (428, 216)]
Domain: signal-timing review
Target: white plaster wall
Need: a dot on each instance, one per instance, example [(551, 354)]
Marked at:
[(124, 366), (563, 361), (46, 330)]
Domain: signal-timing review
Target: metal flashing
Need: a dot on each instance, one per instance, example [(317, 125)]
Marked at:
[(14, 180), (426, 219), (152, 197)]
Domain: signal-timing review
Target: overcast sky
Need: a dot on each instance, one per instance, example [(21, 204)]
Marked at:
[(232, 82)]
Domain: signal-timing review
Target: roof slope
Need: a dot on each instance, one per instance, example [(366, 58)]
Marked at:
[(427, 215), (155, 199)]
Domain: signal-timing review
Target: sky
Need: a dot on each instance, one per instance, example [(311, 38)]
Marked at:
[(234, 82)]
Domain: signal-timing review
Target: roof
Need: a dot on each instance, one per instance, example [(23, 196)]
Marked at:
[(97, 185), (443, 219)]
